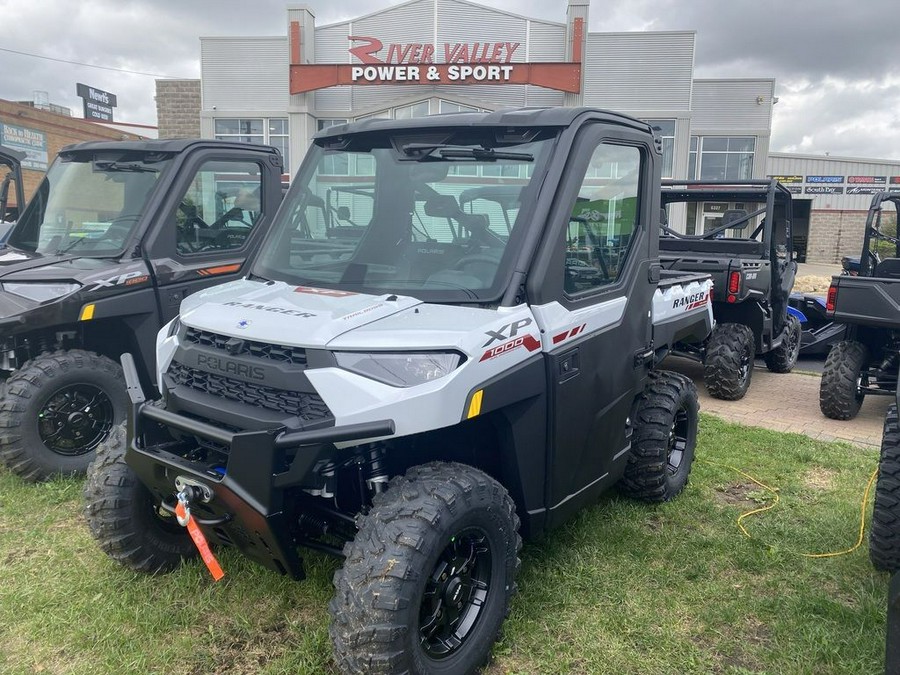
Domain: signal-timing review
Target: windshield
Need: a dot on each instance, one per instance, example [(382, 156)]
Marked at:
[(436, 218), (88, 206)]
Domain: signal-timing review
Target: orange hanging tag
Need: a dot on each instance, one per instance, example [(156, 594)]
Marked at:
[(185, 518)]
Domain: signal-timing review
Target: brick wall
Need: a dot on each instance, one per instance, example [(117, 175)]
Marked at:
[(59, 130), (178, 108), (834, 234)]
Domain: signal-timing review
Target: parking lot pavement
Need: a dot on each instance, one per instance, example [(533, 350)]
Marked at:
[(789, 402)]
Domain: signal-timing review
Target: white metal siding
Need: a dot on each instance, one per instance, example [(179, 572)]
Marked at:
[(639, 71), (464, 22), (729, 105), (546, 42), (413, 22), (244, 73), (801, 165)]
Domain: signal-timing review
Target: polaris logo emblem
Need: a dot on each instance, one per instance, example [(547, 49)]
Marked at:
[(243, 323), (210, 362)]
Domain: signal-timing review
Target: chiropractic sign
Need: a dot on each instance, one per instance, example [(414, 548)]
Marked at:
[(410, 63)]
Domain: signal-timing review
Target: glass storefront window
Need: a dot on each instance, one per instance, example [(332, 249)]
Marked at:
[(263, 131), (722, 157)]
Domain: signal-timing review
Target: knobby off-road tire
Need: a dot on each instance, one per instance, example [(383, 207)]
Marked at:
[(728, 366), (124, 518), (783, 358), (884, 537), (664, 439), (56, 410), (839, 396), (435, 559)]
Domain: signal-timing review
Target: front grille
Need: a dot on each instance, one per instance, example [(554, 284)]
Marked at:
[(261, 350), (307, 406)]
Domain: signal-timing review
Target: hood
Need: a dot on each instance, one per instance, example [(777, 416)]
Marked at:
[(19, 265), (278, 313)]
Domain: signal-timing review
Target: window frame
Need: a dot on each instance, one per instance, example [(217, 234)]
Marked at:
[(266, 136)]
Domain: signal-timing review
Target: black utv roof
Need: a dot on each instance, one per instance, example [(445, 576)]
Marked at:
[(521, 117), (169, 146)]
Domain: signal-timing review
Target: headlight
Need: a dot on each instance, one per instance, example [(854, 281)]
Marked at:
[(39, 292), (174, 327), (400, 370)]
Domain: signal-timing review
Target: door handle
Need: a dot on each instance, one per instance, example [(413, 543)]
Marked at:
[(568, 365)]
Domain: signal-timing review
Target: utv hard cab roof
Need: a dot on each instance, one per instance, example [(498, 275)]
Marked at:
[(166, 146), (522, 117)]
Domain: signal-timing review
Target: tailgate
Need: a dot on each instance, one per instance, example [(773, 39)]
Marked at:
[(682, 310), (867, 300)]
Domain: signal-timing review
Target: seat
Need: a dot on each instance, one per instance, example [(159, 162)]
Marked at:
[(889, 268)]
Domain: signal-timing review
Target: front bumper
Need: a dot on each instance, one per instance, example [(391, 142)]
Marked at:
[(250, 507)]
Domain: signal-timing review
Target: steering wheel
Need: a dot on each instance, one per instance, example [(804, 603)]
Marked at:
[(467, 260)]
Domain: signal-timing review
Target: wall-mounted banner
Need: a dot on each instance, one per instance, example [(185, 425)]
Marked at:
[(824, 179), (895, 180), (863, 189), (98, 104), (787, 179), (794, 189), (33, 143), (867, 180), (823, 189), (374, 62)]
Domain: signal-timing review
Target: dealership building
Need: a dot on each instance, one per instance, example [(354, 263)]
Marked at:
[(440, 56)]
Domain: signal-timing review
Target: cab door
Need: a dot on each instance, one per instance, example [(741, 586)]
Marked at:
[(595, 295), (215, 217)]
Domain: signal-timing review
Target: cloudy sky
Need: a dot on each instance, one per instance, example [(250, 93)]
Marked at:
[(837, 75)]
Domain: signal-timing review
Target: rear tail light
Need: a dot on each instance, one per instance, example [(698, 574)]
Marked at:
[(734, 282), (832, 298)]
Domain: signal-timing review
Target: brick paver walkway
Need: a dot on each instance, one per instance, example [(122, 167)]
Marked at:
[(789, 402)]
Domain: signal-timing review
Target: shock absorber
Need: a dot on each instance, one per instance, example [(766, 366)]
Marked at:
[(376, 465)]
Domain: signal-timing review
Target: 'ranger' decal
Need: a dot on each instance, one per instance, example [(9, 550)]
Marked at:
[(528, 341), (268, 308), (690, 302)]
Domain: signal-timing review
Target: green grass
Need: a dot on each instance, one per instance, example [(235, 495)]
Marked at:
[(625, 588)]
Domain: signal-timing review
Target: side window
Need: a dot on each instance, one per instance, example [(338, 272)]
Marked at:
[(603, 218), (220, 208)]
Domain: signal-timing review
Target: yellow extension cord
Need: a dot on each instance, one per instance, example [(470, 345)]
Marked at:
[(772, 505)]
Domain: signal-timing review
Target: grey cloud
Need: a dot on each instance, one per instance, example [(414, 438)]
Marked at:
[(829, 44)]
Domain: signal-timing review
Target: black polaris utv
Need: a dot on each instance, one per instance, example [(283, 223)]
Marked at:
[(740, 233), (865, 363), (407, 390), (115, 237), (10, 176)]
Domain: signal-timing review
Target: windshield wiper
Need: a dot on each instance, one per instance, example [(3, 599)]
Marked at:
[(420, 152), (102, 165), (72, 244)]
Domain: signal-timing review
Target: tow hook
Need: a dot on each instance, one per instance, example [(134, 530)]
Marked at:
[(193, 490)]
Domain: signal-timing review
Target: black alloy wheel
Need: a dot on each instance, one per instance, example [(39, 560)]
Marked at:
[(455, 593), (75, 419)]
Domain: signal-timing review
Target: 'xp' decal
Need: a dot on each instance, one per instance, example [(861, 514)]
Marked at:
[(528, 341), (513, 328), (127, 279)]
